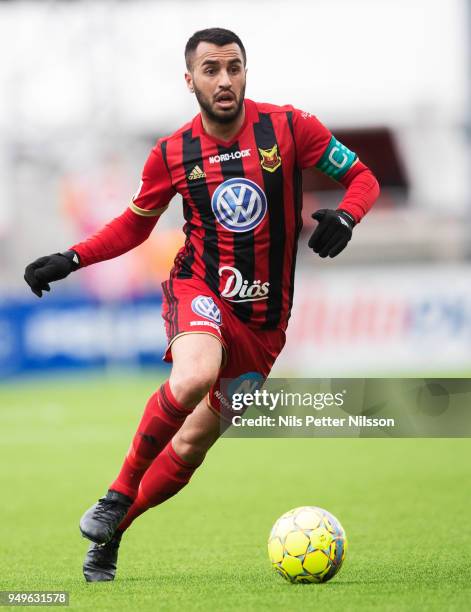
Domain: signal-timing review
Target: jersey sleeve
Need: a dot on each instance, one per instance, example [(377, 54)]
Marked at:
[(317, 147), (155, 189)]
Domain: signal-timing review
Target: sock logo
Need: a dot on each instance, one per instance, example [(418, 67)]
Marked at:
[(148, 438), (206, 307)]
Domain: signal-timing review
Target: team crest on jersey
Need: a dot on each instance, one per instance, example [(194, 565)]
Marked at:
[(206, 307), (270, 159), (239, 204)]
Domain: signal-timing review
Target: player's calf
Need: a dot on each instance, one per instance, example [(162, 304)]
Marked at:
[(174, 467), (163, 416), (198, 433), (196, 364)]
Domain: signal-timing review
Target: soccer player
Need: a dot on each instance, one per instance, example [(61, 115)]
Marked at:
[(226, 304)]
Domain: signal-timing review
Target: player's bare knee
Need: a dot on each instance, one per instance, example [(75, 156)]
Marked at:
[(191, 387)]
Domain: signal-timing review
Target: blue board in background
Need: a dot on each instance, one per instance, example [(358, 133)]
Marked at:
[(77, 332)]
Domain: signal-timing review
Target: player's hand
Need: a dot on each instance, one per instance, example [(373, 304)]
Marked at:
[(50, 268), (332, 234)]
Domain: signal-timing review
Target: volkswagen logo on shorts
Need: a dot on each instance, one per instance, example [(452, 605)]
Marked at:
[(206, 307), (239, 204)]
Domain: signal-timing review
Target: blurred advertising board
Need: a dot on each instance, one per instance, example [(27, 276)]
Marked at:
[(79, 332), (379, 321)]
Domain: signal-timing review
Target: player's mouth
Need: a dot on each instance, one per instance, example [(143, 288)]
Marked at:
[(225, 100)]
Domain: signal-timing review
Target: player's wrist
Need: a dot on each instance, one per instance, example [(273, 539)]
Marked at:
[(73, 257), (347, 216)]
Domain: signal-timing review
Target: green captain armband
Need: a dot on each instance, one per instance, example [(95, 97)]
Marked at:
[(336, 159)]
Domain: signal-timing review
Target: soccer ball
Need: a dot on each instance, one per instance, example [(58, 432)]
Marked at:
[(307, 544)]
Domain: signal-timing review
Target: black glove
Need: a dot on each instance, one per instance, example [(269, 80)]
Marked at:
[(332, 234), (50, 268)]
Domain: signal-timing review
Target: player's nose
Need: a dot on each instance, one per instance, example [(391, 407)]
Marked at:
[(224, 79)]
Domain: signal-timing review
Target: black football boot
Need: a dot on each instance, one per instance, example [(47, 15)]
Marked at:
[(100, 560), (99, 523)]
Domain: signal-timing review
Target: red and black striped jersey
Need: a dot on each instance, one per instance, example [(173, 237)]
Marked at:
[(242, 203)]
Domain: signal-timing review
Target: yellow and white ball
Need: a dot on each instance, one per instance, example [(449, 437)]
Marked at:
[(307, 544)]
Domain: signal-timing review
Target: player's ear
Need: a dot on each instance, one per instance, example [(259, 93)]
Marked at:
[(189, 82)]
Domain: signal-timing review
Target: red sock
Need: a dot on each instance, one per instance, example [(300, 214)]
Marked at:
[(164, 478), (163, 416)]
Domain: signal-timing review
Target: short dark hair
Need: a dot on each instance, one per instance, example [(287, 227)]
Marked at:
[(216, 36)]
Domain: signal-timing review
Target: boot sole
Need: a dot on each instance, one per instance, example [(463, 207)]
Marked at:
[(89, 537)]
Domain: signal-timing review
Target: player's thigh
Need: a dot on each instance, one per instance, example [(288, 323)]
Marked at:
[(196, 351), (197, 359)]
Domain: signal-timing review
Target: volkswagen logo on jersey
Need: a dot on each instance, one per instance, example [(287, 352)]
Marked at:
[(239, 204), (206, 307)]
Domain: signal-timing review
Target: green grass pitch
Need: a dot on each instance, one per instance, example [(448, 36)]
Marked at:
[(403, 503)]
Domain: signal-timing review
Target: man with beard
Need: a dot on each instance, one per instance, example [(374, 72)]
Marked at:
[(226, 304)]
